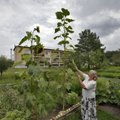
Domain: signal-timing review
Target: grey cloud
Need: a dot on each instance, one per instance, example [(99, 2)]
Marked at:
[(18, 15), (112, 42), (90, 7), (106, 26)]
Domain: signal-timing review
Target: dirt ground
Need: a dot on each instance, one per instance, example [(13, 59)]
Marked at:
[(113, 110)]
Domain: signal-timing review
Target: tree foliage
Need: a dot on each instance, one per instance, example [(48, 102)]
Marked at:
[(113, 57), (89, 49), (5, 64)]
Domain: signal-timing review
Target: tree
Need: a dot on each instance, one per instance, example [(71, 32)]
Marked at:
[(89, 49), (64, 30), (113, 57), (4, 64), (10, 62)]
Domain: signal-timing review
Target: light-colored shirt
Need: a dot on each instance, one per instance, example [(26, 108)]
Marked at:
[(91, 87)]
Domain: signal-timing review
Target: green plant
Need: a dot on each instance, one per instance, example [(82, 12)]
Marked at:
[(14, 115), (72, 98), (63, 27), (114, 97), (43, 95), (10, 99), (109, 74), (64, 30), (4, 64), (37, 94), (17, 75), (108, 91), (103, 90), (36, 46), (90, 51)]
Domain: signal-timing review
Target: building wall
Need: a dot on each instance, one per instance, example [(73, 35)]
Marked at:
[(53, 57), (18, 52)]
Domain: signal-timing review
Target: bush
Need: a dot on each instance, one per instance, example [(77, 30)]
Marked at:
[(108, 91), (17, 75), (102, 90), (4, 64), (72, 98), (109, 74), (10, 100), (14, 115)]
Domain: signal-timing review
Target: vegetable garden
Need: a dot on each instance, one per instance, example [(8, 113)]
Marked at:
[(39, 93)]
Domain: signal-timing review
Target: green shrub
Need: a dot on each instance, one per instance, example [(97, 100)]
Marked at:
[(109, 74), (10, 99), (42, 89), (108, 91), (114, 97), (72, 98), (14, 115), (102, 90), (17, 75)]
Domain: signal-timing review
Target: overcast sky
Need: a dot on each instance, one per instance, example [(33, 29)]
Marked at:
[(18, 16)]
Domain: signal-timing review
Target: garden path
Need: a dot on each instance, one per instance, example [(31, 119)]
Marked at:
[(113, 110)]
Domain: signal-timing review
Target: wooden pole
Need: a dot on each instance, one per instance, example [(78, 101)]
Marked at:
[(63, 114)]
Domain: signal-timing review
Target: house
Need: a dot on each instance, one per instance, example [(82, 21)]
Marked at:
[(47, 56)]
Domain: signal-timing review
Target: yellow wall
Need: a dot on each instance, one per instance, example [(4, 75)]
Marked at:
[(18, 52), (52, 56)]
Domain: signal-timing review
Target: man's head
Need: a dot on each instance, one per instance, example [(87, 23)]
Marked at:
[(92, 74)]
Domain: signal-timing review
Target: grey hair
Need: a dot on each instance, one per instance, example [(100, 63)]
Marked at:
[(92, 72)]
